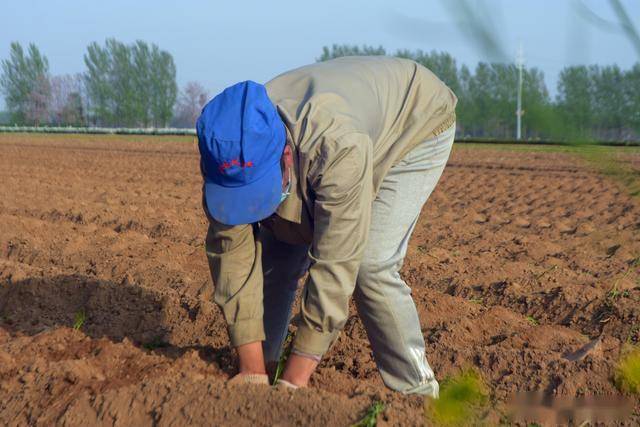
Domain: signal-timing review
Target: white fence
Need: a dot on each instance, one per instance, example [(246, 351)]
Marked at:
[(98, 130)]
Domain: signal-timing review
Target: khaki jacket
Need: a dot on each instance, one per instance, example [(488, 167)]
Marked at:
[(348, 121)]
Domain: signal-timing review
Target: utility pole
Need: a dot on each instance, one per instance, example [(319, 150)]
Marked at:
[(519, 112)]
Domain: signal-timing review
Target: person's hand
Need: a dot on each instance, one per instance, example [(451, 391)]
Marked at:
[(251, 365), (240, 379), (299, 369)]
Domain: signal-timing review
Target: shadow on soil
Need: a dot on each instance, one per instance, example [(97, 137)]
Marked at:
[(99, 308)]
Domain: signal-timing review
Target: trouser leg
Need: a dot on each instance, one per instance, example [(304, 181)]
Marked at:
[(283, 265), (383, 299)]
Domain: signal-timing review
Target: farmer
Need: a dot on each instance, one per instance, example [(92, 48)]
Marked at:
[(323, 170)]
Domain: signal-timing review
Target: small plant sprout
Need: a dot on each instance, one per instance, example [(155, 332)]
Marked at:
[(286, 351), (462, 401), (627, 375), (370, 419), (532, 320), (614, 292), (79, 320)]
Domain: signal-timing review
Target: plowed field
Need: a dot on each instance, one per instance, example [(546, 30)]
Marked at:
[(520, 259)]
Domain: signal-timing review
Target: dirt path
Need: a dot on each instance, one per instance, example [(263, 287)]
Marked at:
[(511, 266)]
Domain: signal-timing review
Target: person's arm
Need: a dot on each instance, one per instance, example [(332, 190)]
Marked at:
[(342, 183), (235, 262)]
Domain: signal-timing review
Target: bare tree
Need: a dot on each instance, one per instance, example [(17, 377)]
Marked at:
[(189, 105), (37, 105), (66, 105)]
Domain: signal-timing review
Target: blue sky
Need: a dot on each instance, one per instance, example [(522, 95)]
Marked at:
[(219, 43)]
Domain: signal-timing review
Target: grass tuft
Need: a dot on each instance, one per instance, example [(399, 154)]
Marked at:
[(370, 419), (461, 402), (614, 293), (608, 161), (532, 320), (79, 320), (627, 375)]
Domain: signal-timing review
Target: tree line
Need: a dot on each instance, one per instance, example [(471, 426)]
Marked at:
[(134, 85), (592, 102), (124, 85)]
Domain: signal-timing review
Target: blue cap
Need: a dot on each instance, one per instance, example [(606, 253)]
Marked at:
[(241, 139)]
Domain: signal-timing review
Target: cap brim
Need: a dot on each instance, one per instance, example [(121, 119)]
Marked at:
[(246, 204)]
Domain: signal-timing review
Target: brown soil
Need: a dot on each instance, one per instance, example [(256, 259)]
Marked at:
[(511, 267)]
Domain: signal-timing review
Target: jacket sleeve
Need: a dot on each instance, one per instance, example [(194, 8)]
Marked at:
[(342, 183), (235, 261)]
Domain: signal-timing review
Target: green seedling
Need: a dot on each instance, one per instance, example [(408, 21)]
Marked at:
[(532, 320), (462, 400), (79, 320), (627, 375), (286, 351), (476, 300), (614, 292), (370, 419)]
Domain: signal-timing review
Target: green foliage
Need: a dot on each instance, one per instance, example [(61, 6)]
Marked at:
[(600, 102), (130, 85), (592, 103), (282, 362), (337, 51), (98, 83), (488, 98), (627, 375), (462, 400), (370, 419), (614, 293), (79, 320), (25, 84), (532, 320)]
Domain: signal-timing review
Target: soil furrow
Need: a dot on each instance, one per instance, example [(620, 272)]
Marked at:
[(518, 261)]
